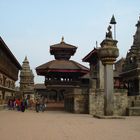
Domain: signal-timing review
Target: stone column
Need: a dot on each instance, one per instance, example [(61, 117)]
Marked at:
[(109, 95), (108, 54)]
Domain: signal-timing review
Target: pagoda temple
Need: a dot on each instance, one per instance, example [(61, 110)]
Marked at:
[(62, 71), (62, 75)]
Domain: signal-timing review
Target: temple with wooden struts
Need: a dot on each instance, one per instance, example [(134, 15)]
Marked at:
[(63, 75)]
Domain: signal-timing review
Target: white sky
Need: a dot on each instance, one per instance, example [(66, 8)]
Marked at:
[(29, 27)]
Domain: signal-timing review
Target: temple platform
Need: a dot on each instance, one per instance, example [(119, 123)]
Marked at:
[(108, 117), (133, 111), (56, 106)]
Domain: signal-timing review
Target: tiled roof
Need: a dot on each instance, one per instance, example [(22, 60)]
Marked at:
[(7, 50), (63, 45), (62, 64), (90, 55)]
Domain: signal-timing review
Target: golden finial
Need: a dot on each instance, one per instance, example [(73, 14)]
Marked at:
[(62, 39), (96, 44)]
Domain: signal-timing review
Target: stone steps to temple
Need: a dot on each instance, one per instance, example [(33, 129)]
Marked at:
[(137, 103), (55, 106), (133, 111)]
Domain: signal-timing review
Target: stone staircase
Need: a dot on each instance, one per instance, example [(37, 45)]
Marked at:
[(55, 107), (134, 109)]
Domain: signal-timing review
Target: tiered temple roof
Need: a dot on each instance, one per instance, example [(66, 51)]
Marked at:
[(62, 67), (62, 50)]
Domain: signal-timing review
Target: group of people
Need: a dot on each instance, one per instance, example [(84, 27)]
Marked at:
[(40, 104), (21, 104), (18, 104)]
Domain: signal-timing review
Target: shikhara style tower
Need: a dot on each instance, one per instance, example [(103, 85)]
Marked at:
[(26, 79), (131, 67)]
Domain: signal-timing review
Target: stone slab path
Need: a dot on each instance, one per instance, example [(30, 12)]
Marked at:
[(56, 125)]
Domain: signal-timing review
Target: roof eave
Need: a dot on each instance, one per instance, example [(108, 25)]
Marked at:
[(89, 55), (10, 53)]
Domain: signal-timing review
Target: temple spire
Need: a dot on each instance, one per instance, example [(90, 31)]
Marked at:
[(137, 34), (26, 60), (138, 24)]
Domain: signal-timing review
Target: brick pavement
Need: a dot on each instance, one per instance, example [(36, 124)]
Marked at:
[(56, 125)]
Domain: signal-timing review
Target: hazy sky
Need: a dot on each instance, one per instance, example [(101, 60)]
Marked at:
[(29, 27)]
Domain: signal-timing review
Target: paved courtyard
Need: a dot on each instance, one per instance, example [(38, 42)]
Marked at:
[(56, 125)]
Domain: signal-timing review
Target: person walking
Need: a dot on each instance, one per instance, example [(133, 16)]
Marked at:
[(23, 104), (37, 105)]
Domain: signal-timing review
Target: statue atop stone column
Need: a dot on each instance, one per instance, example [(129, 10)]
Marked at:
[(108, 52), (109, 33)]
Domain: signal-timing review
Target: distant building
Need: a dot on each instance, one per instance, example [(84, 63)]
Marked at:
[(9, 68), (26, 79)]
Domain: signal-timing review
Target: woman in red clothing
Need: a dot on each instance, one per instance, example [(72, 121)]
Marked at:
[(18, 103)]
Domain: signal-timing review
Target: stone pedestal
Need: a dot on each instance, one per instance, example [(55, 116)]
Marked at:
[(108, 54), (77, 101)]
